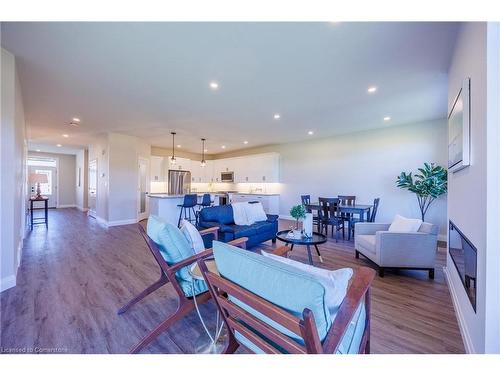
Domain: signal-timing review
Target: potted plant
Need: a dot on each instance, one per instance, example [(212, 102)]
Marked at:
[(298, 212), (429, 184)]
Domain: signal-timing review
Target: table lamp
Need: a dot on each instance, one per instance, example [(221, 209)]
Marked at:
[(38, 178)]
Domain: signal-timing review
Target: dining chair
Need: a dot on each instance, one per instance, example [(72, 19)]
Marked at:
[(174, 272), (348, 200), (371, 218), (329, 215), (306, 199)]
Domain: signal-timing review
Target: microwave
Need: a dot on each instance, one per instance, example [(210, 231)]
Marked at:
[(227, 177)]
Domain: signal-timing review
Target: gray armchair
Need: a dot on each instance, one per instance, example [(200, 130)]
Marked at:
[(406, 250)]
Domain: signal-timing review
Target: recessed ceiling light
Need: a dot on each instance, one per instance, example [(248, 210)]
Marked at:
[(59, 145), (37, 150), (310, 132), (178, 146), (277, 116), (223, 146), (214, 85), (65, 135), (372, 89), (387, 118), (76, 119), (245, 142)]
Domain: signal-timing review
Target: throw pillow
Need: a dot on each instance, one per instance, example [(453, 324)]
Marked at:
[(192, 236), (403, 224), (335, 282)]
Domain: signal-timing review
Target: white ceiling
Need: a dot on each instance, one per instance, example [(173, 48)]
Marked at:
[(148, 79)]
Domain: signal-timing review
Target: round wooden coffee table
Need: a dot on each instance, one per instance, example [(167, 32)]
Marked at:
[(315, 240)]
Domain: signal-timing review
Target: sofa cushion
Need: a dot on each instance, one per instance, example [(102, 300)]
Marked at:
[(154, 226), (219, 214), (243, 231), (263, 226), (281, 284), (174, 247), (334, 281), (367, 241)]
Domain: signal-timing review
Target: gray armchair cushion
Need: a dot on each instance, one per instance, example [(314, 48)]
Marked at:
[(369, 228), (406, 249)]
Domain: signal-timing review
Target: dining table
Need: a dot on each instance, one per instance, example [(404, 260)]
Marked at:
[(359, 209)]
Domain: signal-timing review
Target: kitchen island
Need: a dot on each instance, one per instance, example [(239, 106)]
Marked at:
[(166, 205)]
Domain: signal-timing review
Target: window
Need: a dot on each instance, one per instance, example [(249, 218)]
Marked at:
[(41, 162), (46, 188)]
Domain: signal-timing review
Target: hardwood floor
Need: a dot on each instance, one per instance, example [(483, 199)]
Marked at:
[(75, 275)]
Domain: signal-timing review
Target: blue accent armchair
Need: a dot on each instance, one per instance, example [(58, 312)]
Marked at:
[(222, 217)]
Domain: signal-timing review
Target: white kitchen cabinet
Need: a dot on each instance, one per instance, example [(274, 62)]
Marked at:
[(267, 167), (270, 203), (201, 174), (158, 170), (181, 164)]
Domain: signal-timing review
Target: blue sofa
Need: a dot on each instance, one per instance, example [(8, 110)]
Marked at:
[(222, 216)]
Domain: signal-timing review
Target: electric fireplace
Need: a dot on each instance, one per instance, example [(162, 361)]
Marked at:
[(464, 255)]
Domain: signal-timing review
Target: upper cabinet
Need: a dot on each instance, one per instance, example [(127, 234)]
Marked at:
[(201, 174), (158, 170), (260, 168)]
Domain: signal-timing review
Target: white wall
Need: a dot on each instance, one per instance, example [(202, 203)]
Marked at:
[(13, 172), (99, 150), (364, 164), (117, 190), (82, 189), (66, 177), (471, 191), (124, 152)]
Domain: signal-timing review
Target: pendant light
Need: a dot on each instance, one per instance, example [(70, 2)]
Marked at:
[(172, 159), (203, 162)]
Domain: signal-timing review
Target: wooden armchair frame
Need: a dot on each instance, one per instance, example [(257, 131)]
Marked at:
[(234, 316), (167, 274)]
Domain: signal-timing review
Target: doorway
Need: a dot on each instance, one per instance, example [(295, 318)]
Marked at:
[(92, 198), (143, 189), (48, 167)]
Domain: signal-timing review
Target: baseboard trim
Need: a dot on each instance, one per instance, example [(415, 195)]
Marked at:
[(82, 209), (101, 221), (121, 222), (19, 252), (66, 206), (469, 347), (7, 282)]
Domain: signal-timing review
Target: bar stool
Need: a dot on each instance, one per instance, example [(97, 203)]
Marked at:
[(206, 201), (190, 201)]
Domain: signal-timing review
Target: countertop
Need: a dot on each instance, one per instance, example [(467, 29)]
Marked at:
[(199, 193)]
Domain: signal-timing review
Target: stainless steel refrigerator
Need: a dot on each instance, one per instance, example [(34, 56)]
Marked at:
[(179, 182)]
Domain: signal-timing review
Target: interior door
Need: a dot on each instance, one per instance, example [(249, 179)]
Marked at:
[(48, 189), (143, 189), (92, 198)]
